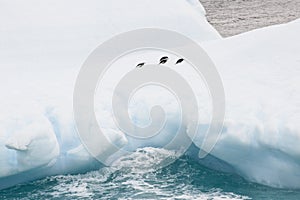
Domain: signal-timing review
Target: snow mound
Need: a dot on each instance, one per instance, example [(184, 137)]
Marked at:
[(260, 72), (42, 47)]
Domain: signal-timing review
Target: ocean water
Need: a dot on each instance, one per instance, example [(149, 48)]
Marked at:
[(138, 176), (231, 17)]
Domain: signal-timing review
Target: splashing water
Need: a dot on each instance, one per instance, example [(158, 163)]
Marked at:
[(139, 176)]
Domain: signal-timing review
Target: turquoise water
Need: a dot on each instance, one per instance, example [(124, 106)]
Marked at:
[(139, 179)]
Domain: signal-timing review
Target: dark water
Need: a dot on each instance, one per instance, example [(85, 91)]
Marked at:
[(133, 179), (231, 17)]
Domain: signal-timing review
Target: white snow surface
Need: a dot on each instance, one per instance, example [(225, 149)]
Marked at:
[(43, 45), (260, 71)]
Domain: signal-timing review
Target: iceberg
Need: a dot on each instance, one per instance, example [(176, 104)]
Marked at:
[(44, 44), (260, 72)]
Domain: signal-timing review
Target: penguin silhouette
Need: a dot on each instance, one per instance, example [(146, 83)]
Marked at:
[(179, 61), (163, 60), (140, 65)]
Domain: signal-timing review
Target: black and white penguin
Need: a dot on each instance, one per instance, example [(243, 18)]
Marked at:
[(140, 65), (163, 60), (179, 61)]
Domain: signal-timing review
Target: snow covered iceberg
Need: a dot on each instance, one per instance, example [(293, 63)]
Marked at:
[(260, 72), (41, 57), (43, 46)]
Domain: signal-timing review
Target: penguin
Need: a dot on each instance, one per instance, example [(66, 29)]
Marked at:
[(163, 60), (140, 65), (179, 61)]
